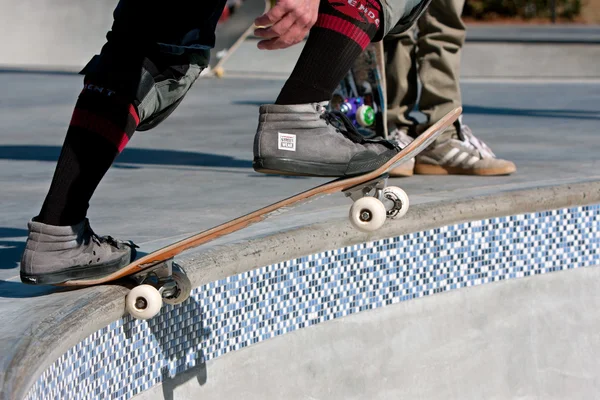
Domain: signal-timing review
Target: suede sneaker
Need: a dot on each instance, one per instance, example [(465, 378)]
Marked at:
[(56, 254), (458, 151), (306, 139)]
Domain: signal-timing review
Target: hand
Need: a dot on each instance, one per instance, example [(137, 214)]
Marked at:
[(286, 24)]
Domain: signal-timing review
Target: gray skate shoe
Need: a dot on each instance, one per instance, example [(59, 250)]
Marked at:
[(306, 139), (56, 254)]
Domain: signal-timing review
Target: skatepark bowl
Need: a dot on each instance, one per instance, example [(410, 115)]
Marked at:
[(485, 289), (486, 297)]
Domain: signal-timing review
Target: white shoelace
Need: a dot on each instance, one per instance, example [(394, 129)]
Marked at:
[(471, 141), (402, 138)]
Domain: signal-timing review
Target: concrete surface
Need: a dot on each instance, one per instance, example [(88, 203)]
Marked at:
[(180, 173), (53, 35), (194, 171), (494, 59), (173, 181), (65, 317), (532, 338), (63, 35)]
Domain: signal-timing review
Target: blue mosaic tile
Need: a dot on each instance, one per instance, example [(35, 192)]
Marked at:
[(130, 356)]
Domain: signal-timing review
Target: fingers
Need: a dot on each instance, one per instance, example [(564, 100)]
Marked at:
[(276, 30), (272, 16), (293, 36), (286, 24)]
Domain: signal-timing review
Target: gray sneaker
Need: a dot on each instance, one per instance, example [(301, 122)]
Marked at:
[(56, 254), (306, 139)]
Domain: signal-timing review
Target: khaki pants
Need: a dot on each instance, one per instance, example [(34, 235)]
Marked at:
[(431, 52)]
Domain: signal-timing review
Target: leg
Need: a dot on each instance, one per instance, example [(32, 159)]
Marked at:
[(341, 33), (457, 150), (401, 77), (296, 135), (402, 91), (440, 40), (124, 90)]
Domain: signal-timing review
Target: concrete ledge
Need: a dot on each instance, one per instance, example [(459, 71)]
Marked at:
[(530, 60), (547, 34), (94, 308), (234, 259)]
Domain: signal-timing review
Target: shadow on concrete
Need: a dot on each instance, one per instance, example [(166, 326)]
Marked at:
[(261, 175), (18, 290), (178, 343), (529, 112), (256, 103), (129, 156), (41, 71), (11, 250)]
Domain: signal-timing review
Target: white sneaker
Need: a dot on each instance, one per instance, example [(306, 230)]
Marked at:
[(400, 135), (459, 152)]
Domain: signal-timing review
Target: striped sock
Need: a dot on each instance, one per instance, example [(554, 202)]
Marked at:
[(100, 128), (343, 30)]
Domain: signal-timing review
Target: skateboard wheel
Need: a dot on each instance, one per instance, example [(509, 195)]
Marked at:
[(400, 199), (367, 214), (184, 286), (143, 302), (365, 116), (219, 72)]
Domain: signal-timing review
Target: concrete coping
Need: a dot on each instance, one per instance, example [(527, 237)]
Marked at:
[(97, 307), (535, 34)]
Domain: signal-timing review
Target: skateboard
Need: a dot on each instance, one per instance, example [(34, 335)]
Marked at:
[(159, 279), (235, 29), (361, 94)]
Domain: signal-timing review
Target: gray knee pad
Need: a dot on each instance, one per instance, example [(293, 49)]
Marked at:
[(158, 95), (400, 15), (154, 84)]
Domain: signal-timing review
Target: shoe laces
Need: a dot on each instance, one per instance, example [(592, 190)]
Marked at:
[(100, 240), (400, 136), (468, 138), (344, 125)]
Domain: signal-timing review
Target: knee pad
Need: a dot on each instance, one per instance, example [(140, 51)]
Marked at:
[(155, 85), (162, 89), (408, 21)]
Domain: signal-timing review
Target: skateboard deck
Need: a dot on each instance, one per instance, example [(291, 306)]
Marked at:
[(361, 94), (235, 30), (373, 203)]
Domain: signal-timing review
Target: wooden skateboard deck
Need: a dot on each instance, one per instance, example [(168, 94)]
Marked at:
[(337, 185), (235, 31), (361, 94)]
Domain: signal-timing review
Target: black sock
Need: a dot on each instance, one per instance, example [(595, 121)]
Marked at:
[(341, 33), (101, 126)]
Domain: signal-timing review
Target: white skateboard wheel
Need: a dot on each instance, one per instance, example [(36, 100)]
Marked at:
[(365, 116), (184, 286), (219, 72), (143, 302), (367, 214), (400, 199)]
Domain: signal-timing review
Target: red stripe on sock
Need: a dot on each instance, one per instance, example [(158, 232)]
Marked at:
[(103, 127), (134, 114), (344, 27)]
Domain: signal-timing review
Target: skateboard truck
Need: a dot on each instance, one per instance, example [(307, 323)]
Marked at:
[(163, 282), (374, 201)]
